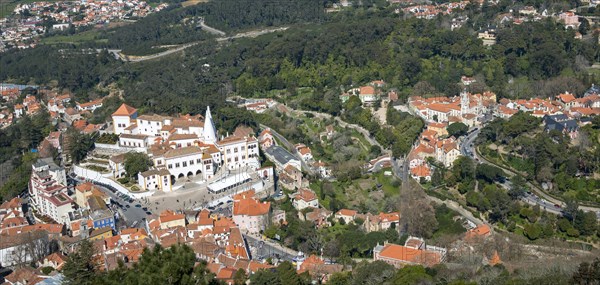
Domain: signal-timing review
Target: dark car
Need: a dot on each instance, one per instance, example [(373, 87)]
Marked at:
[(148, 213), (220, 203), (127, 206), (145, 209), (138, 206), (557, 205)]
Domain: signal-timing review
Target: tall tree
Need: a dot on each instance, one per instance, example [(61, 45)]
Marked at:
[(80, 268), (136, 162)]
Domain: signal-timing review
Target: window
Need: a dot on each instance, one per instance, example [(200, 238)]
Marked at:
[(235, 150), (229, 160), (198, 160), (208, 167), (243, 156), (243, 148), (236, 159), (192, 162), (184, 164), (228, 151), (177, 165)]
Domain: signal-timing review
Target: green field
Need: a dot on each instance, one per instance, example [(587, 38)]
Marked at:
[(78, 38)]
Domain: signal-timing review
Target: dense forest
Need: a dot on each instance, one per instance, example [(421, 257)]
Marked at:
[(414, 55)]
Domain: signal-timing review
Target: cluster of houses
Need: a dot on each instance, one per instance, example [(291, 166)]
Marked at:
[(466, 108), (431, 11), (564, 113), (23, 30), (370, 94), (439, 113)]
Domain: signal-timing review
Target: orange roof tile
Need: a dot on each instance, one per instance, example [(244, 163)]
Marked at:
[(124, 110), (479, 231), (411, 255), (347, 212), (169, 216), (251, 207)]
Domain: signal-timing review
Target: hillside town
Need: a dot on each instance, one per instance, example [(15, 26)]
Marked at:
[(30, 21), (198, 142)]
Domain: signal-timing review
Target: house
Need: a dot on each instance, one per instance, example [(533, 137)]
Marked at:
[(266, 139), (11, 208), (413, 252), (117, 165), (561, 124), (478, 233), (71, 115), (570, 19), (304, 152), (123, 117), (169, 219), (55, 260), (367, 95), (319, 216), (305, 198), (291, 178), (155, 179), (249, 213), (347, 215), (84, 190), (318, 268), (24, 276), (101, 233), (567, 100), (322, 169), (89, 106), (421, 171), (381, 222)]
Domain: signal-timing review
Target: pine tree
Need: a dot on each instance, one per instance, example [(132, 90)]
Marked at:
[(79, 268)]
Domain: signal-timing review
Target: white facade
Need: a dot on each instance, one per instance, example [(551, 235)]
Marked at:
[(48, 191), (128, 140), (238, 152), (155, 180)]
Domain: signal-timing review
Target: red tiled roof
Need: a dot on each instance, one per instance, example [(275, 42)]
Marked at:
[(347, 212), (411, 255), (251, 207), (124, 110)]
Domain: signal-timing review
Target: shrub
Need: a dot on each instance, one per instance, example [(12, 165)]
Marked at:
[(47, 270)]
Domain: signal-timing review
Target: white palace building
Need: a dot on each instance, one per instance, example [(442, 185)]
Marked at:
[(180, 147)]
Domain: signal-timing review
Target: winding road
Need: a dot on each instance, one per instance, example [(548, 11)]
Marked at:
[(250, 34), (537, 197)]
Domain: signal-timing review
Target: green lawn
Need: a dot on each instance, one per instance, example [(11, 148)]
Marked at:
[(86, 36), (387, 183)]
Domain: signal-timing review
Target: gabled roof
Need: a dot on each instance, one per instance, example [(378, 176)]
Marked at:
[(347, 212), (306, 195)]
